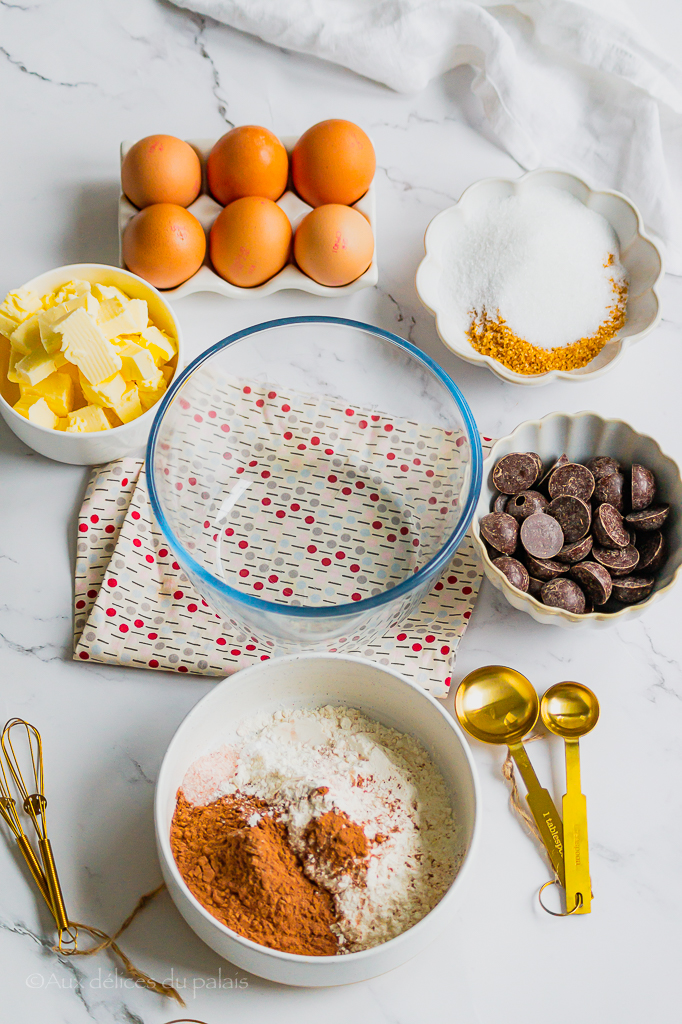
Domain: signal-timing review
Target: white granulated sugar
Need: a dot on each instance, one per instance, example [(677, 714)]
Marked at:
[(383, 780), (537, 260)]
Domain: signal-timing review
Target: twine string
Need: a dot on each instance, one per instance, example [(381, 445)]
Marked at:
[(109, 942), (517, 806)]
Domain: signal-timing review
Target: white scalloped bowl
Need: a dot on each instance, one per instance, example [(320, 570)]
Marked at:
[(638, 254), (582, 435)]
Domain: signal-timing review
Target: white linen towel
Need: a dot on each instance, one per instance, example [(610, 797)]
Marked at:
[(563, 84)]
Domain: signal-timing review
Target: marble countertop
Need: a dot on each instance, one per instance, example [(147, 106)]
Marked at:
[(81, 76)]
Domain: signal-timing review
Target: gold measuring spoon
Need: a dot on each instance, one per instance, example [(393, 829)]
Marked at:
[(571, 710), (499, 705)]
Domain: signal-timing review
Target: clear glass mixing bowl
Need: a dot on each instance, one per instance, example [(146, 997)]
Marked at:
[(314, 477)]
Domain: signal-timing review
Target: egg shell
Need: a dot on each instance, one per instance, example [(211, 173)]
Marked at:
[(247, 161), (161, 169), (250, 241), (165, 244), (334, 244), (333, 162)]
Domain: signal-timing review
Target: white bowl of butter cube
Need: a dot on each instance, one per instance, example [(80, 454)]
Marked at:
[(86, 353)]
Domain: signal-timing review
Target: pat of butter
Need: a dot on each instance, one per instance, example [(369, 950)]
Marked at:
[(109, 309), (108, 392), (36, 410), (159, 344), (47, 318), (132, 320), (19, 304), (150, 398), (137, 363), (70, 290), (130, 407), (85, 345), (7, 325), (86, 420), (110, 291), (57, 390), (34, 367), (168, 372), (26, 337)]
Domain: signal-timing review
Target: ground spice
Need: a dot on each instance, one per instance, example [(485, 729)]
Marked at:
[(338, 843), (492, 337), (249, 878)]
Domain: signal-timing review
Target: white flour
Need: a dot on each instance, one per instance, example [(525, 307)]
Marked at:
[(383, 780)]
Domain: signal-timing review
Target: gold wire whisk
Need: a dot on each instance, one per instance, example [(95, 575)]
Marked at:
[(31, 791), (8, 810)]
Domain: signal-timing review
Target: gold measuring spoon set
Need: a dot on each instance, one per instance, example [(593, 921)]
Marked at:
[(498, 705)]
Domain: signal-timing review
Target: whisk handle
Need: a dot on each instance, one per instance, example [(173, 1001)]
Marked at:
[(55, 889), (34, 867)]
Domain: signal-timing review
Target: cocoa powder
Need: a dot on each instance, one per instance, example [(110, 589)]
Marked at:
[(249, 878), (337, 842)]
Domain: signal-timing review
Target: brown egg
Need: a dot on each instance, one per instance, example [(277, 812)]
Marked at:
[(164, 244), (250, 241), (333, 162), (334, 244), (161, 169), (248, 161)]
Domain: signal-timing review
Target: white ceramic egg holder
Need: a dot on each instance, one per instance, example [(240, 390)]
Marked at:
[(205, 209)]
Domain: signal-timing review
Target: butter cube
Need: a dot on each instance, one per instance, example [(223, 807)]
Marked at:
[(57, 390), (132, 320), (110, 308), (12, 374), (110, 291), (85, 345), (152, 383), (26, 337), (34, 367), (70, 290), (61, 423), (108, 392), (87, 420), (19, 304), (7, 325), (168, 372), (137, 363), (36, 410), (130, 407), (114, 420), (159, 344)]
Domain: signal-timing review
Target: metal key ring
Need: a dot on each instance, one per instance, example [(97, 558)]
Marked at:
[(555, 913)]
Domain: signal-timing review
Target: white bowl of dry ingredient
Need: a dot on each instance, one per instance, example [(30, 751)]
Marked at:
[(541, 278), (583, 436), (317, 802)]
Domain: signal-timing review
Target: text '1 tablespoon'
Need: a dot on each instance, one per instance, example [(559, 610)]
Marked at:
[(498, 705), (571, 710)]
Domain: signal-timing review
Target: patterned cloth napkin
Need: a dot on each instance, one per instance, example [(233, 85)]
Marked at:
[(134, 606)]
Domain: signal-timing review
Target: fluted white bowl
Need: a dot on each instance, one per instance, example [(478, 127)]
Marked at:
[(582, 435), (638, 254)]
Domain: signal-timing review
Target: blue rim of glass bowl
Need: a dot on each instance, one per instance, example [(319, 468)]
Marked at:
[(439, 560)]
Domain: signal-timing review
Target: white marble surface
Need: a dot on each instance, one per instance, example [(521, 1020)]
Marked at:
[(77, 77)]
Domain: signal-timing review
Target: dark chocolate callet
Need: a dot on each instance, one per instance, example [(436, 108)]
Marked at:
[(573, 515), (576, 551), (608, 529), (563, 460), (517, 472), (534, 586), (619, 561), (541, 535), (642, 487), (545, 568), (595, 579), (501, 531), (651, 551), (631, 589), (516, 573), (500, 503), (649, 518), (602, 465), (564, 594), (571, 479), (610, 489), (525, 503)]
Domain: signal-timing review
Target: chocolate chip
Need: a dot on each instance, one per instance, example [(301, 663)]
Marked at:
[(500, 503), (602, 465), (500, 530), (563, 460), (525, 504), (564, 594), (619, 561), (651, 551), (595, 579), (649, 518), (516, 573), (534, 586), (631, 589), (575, 552), (541, 535), (516, 472), (608, 528), (544, 568), (571, 479), (643, 487), (572, 514), (609, 489)]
